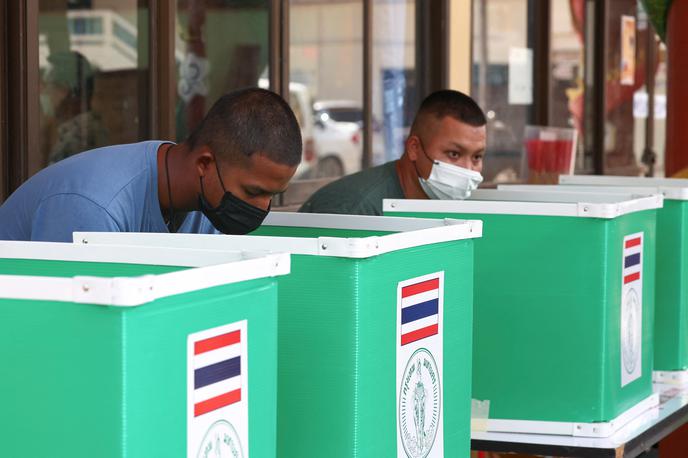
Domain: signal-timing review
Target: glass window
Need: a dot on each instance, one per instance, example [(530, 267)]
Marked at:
[(394, 88), (660, 110), (641, 99), (326, 78), (124, 33), (502, 82), (566, 62), (220, 46), (85, 25), (340, 114), (90, 91), (625, 75), (566, 83)]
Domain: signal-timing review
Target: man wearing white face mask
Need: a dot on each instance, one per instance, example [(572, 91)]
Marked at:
[(443, 159)]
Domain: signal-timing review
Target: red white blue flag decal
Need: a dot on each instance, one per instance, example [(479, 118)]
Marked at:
[(420, 387), (633, 250), (420, 310), (217, 372), (217, 391), (631, 329)]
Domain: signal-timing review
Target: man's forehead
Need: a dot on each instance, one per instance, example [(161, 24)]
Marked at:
[(263, 161), (259, 171), (451, 123), (461, 133)]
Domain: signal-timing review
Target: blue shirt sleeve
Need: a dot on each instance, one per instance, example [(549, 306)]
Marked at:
[(58, 216), (197, 223)]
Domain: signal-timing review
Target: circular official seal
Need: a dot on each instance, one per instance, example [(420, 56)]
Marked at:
[(419, 404), (631, 332), (221, 441)]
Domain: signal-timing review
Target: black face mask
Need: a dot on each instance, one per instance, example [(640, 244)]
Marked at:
[(233, 215)]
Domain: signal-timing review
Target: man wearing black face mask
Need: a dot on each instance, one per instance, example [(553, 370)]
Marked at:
[(222, 178)]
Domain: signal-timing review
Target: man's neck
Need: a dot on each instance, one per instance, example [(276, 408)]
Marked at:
[(408, 178), (170, 160), (163, 194)]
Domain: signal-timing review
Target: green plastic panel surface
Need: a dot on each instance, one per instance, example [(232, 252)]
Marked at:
[(671, 329), (337, 351), (547, 315), (84, 380)]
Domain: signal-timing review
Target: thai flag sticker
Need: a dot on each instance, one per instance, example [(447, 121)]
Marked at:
[(420, 303), (217, 390), (632, 264), (631, 322), (217, 372), (419, 366)]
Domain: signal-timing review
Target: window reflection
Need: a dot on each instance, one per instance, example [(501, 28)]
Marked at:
[(326, 73), (89, 67), (566, 84), (660, 110), (220, 46), (66, 104), (502, 82), (626, 72), (394, 77)]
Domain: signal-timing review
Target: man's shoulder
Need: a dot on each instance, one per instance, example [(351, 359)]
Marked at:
[(365, 181), (105, 188), (358, 193), (121, 155), (102, 173)]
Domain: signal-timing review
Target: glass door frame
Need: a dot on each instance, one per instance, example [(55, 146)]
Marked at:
[(4, 169), (21, 47)]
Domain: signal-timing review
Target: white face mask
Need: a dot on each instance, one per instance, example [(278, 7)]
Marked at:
[(450, 182)]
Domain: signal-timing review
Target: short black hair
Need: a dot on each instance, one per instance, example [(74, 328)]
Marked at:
[(249, 121), (452, 103)]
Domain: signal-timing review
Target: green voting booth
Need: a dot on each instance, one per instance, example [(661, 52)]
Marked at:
[(374, 330), (671, 315), (563, 318), (156, 352)]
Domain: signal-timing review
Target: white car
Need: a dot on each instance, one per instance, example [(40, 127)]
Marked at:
[(338, 137)]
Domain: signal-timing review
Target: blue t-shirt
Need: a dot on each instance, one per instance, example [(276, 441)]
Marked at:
[(111, 189)]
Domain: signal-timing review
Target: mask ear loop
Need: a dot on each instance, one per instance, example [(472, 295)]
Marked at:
[(434, 161), (424, 154), (219, 175), (171, 226), (203, 196), (200, 179)]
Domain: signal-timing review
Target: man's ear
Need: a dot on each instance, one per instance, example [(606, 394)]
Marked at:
[(204, 159), (413, 147)]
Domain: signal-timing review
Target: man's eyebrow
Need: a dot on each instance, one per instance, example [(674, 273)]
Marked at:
[(458, 145)]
